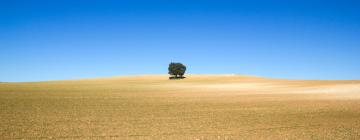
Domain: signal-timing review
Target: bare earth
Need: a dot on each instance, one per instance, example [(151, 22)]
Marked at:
[(221, 107)]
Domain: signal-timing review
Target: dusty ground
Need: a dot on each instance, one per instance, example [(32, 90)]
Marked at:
[(199, 107)]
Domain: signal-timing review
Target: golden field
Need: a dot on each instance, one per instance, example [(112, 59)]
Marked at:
[(221, 107)]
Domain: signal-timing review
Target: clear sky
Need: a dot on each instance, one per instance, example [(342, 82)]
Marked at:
[(70, 39)]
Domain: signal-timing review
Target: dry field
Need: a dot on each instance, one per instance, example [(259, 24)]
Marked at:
[(220, 107)]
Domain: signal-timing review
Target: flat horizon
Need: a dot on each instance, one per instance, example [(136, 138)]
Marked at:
[(166, 77)]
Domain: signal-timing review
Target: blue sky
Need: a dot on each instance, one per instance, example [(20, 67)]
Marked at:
[(66, 39)]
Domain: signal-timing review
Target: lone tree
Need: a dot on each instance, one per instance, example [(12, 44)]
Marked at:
[(177, 70)]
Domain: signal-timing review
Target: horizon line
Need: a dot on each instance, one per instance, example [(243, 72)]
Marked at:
[(158, 74)]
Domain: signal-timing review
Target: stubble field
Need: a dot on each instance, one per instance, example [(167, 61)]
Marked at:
[(199, 107)]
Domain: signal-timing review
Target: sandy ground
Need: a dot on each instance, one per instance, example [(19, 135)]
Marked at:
[(198, 107)]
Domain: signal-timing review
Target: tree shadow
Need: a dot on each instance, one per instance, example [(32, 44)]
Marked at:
[(176, 78)]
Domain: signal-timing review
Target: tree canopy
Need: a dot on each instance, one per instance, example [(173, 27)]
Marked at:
[(177, 70)]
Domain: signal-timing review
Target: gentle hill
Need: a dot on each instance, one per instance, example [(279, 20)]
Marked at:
[(198, 107)]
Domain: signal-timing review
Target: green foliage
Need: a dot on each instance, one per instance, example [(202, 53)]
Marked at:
[(177, 70)]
